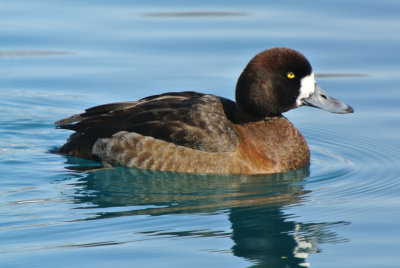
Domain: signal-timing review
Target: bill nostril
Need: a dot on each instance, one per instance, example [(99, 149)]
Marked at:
[(324, 96)]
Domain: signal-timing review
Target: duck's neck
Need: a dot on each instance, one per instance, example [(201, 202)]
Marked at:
[(243, 117)]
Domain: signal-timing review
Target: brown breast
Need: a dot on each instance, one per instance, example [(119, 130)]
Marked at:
[(272, 145)]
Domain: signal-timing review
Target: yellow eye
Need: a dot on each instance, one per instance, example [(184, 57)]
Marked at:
[(290, 75)]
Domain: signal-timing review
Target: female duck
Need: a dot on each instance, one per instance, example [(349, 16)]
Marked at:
[(203, 133)]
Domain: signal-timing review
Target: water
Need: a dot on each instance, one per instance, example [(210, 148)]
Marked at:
[(60, 57)]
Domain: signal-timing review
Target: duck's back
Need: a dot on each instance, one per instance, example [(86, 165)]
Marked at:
[(193, 120)]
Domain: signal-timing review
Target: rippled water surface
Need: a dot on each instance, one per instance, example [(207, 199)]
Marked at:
[(60, 57)]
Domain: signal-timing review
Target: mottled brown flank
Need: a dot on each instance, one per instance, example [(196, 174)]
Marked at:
[(267, 146)]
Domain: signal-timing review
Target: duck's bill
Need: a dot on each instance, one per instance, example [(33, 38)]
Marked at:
[(321, 99)]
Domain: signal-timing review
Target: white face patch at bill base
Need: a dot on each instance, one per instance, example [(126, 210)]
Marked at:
[(307, 88)]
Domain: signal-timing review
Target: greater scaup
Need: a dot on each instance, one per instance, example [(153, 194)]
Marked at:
[(204, 133)]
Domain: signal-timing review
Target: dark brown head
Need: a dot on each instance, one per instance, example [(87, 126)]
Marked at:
[(279, 79)]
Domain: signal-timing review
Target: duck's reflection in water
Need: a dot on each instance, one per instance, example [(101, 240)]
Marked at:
[(261, 230)]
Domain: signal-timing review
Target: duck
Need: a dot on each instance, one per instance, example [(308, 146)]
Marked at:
[(193, 132)]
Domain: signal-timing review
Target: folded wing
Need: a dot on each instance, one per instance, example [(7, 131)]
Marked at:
[(198, 121)]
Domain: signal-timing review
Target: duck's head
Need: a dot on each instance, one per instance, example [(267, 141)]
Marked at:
[(279, 79)]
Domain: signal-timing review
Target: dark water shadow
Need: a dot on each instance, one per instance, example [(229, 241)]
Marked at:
[(32, 53), (261, 230), (196, 14)]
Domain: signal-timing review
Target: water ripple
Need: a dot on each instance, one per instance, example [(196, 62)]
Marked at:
[(352, 167)]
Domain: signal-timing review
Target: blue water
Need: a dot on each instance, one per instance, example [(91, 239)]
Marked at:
[(60, 57)]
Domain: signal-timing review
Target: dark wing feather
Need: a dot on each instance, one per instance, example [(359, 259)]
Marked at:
[(199, 121), (94, 111)]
